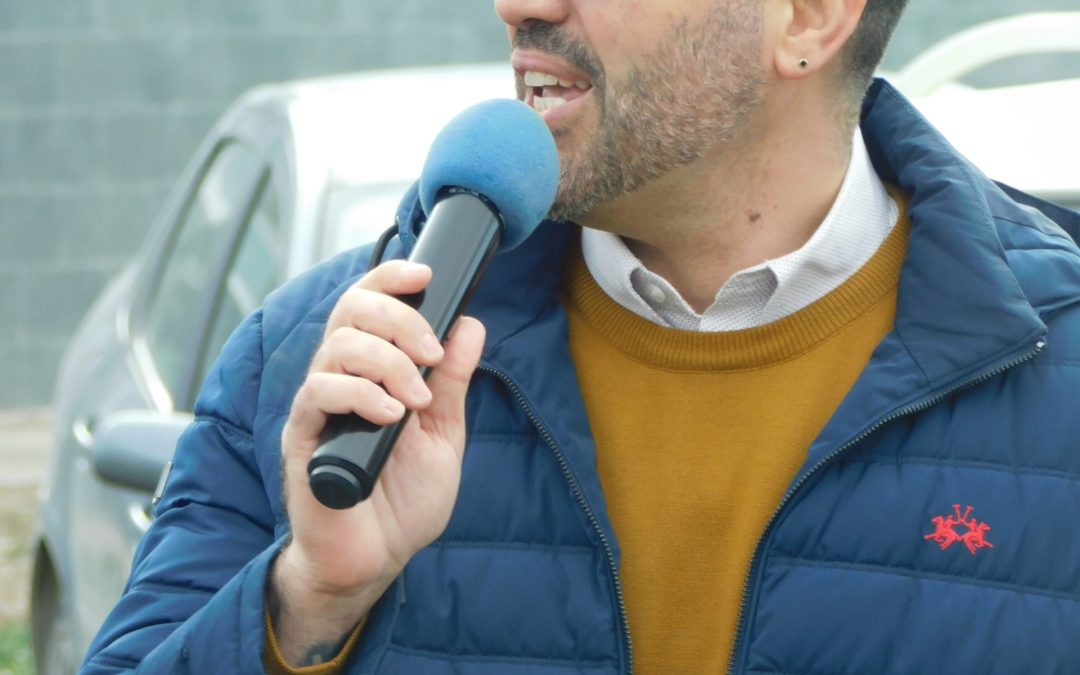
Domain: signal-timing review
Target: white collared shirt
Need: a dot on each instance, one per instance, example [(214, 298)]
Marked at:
[(860, 219)]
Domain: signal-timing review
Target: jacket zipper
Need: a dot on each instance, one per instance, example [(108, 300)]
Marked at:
[(580, 496), (916, 407)]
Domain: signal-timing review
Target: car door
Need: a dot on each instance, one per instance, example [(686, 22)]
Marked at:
[(169, 326)]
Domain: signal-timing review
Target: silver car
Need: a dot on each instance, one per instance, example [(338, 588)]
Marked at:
[(290, 175)]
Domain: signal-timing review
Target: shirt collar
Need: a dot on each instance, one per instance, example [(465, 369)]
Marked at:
[(860, 219)]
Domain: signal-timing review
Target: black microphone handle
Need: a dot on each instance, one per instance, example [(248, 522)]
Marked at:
[(458, 242)]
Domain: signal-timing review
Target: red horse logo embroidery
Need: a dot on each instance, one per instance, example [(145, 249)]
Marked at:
[(945, 534)]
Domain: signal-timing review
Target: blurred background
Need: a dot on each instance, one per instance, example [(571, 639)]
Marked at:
[(102, 103)]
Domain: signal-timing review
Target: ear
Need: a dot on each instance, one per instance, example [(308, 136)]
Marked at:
[(810, 33)]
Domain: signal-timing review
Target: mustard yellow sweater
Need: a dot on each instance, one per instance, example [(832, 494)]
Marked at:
[(698, 436)]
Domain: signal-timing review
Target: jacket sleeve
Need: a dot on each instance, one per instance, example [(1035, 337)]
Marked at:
[(194, 600)]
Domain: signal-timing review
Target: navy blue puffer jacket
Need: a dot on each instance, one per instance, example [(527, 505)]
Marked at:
[(932, 528)]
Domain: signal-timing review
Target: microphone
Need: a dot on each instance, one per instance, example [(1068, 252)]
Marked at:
[(489, 179)]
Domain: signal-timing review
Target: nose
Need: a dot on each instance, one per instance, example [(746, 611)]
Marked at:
[(516, 12)]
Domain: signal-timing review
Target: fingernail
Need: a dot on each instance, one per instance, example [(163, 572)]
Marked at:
[(429, 344), (420, 390), (414, 268)]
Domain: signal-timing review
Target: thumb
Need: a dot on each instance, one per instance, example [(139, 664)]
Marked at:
[(449, 381)]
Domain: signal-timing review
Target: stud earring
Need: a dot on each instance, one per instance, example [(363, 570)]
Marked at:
[(803, 63)]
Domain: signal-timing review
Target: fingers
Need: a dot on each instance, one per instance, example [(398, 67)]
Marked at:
[(350, 351), (340, 394), (324, 394), (369, 307), (449, 381), (368, 361)]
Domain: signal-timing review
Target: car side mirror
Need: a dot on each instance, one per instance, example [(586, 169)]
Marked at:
[(131, 448)]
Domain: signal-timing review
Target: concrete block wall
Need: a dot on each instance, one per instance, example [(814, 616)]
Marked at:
[(102, 102)]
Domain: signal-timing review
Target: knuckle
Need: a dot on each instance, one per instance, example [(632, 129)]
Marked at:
[(369, 307), (303, 395), (380, 309), (340, 338), (352, 303)]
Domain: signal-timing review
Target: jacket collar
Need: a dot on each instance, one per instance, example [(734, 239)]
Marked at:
[(961, 312), (960, 304)]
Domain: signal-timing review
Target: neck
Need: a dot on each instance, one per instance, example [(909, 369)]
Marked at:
[(753, 200)]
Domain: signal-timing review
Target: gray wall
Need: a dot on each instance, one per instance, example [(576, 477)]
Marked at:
[(101, 102)]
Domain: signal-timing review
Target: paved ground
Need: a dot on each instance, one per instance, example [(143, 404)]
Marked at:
[(24, 447)]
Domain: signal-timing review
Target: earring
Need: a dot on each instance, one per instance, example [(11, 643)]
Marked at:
[(803, 63)]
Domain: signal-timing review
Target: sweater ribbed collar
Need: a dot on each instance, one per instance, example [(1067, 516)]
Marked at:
[(749, 348)]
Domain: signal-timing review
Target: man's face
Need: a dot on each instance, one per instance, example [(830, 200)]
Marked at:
[(644, 87)]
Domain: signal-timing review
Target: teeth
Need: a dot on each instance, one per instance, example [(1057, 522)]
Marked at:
[(542, 104), (535, 78)]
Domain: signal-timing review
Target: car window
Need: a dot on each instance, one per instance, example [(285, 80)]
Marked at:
[(256, 269), (356, 215), (199, 248)]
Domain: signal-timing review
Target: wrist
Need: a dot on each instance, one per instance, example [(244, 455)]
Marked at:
[(309, 622), (297, 588)]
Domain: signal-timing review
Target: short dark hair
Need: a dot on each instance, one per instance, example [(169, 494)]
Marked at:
[(867, 45)]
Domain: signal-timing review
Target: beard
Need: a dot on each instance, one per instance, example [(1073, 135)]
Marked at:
[(686, 99)]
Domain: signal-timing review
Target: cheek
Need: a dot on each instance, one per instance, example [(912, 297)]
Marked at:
[(604, 26), (620, 32)]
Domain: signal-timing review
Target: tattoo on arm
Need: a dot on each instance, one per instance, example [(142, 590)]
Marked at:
[(317, 654)]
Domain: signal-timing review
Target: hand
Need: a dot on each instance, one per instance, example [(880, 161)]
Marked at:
[(341, 561)]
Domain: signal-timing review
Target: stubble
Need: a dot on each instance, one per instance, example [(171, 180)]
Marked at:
[(687, 98)]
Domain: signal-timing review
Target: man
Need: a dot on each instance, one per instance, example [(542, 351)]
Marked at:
[(724, 426)]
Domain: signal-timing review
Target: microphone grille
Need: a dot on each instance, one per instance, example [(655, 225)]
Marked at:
[(503, 150)]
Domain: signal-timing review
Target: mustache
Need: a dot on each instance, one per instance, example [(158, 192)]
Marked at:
[(551, 39)]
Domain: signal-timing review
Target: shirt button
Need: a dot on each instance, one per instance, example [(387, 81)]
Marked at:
[(655, 294)]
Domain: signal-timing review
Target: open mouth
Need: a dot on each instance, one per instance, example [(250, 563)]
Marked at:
[(544, 91)]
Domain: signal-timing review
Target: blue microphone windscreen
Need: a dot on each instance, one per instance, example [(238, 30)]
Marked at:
[(503, 150)]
